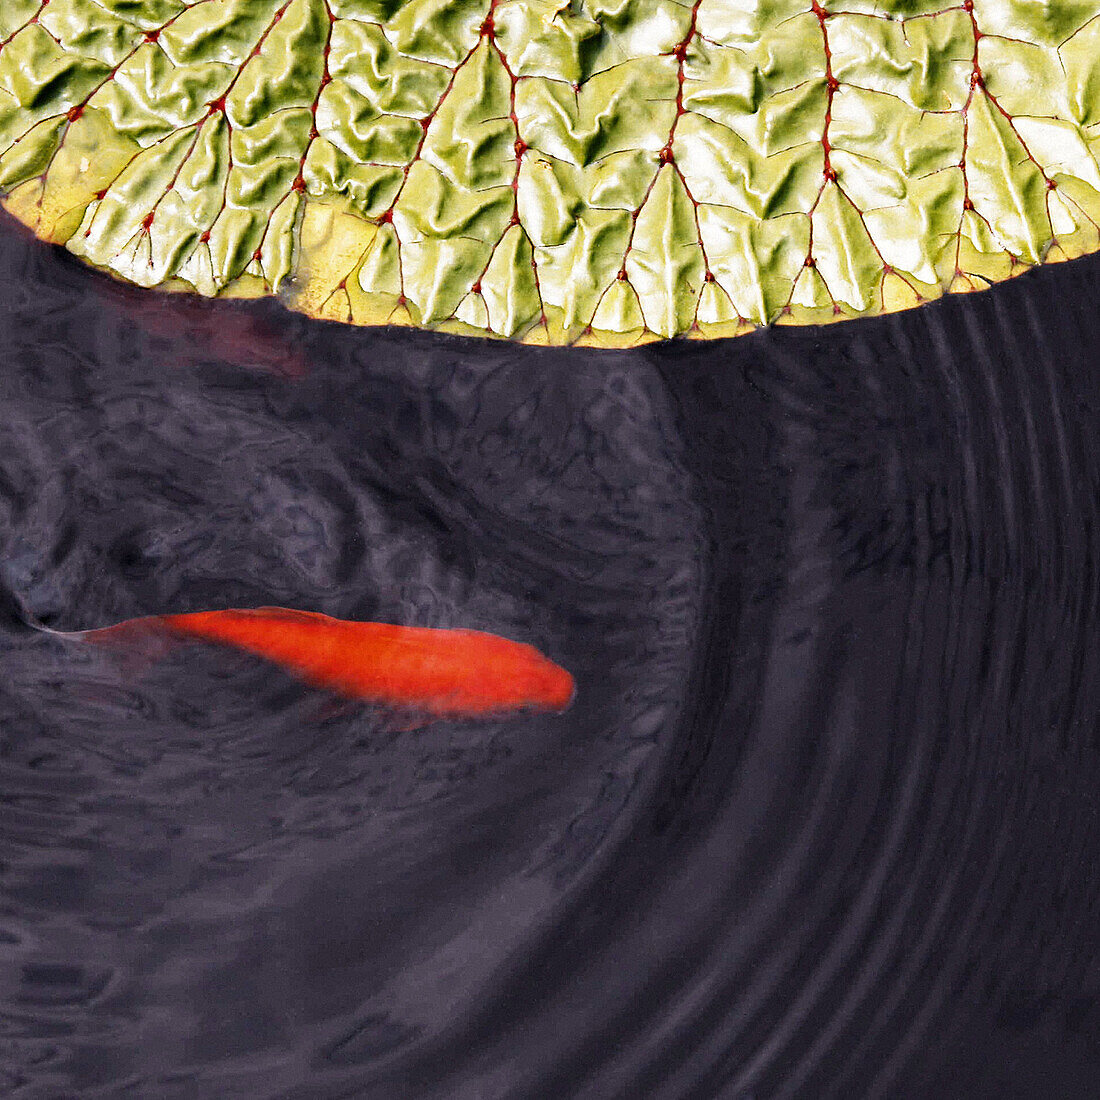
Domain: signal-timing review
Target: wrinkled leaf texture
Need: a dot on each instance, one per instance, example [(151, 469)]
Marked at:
[(595, 171)]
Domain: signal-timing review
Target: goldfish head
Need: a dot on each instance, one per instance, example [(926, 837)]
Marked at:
[(498, 676)]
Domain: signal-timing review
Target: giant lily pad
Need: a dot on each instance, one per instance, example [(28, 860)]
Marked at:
[(556, 170)]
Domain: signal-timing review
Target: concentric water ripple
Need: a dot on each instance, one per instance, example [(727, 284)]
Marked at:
[(823, 821)]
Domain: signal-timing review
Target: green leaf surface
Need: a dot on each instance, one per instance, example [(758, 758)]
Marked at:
[(599, 171)]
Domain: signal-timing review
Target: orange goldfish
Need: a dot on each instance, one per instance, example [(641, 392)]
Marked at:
[(455, 673)]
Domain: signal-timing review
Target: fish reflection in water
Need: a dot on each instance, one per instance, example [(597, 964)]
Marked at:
[(442, 673)]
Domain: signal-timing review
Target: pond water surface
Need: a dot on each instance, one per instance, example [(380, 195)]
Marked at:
[(824, 818)]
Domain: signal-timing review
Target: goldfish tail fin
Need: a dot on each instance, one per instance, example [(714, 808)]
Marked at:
[(132, 647), (150, 632)]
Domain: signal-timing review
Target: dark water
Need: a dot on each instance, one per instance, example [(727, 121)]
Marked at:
[(823, 822)]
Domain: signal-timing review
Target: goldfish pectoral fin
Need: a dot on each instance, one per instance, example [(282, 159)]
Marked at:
[(405, 719), (333, 708)]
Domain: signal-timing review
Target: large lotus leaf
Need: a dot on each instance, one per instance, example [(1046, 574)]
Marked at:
[(557, 170)]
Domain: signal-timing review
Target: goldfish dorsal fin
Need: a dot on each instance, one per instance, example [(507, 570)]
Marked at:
[(284, 613)]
